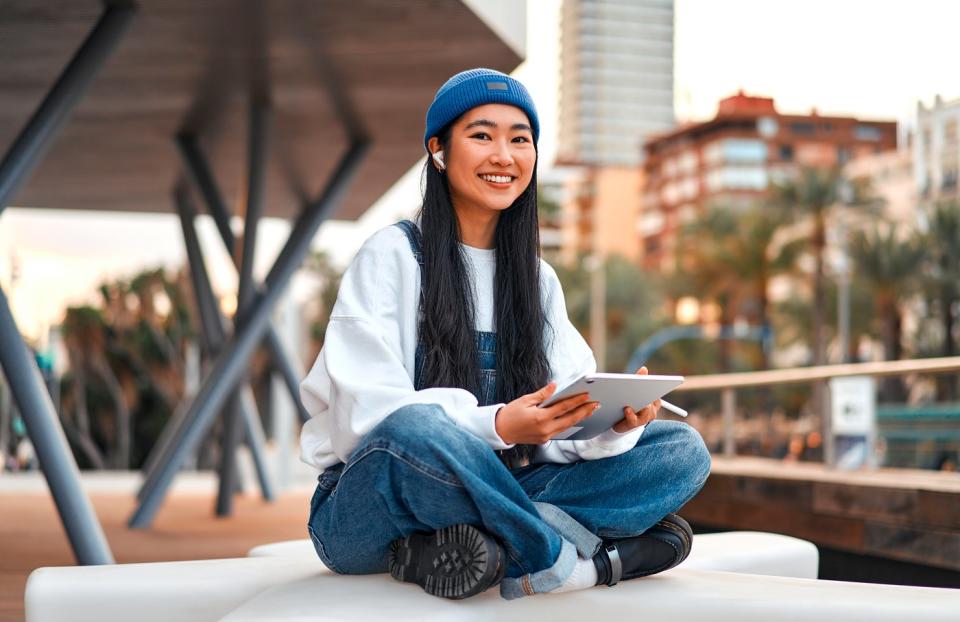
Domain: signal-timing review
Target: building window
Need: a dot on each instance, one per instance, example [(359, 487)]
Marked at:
[(949, 180), (651, 245), (950, 132), (651, 223), (786, 153), (736, 150), (843, 155), (802, 128), (738, 178), (867, 132)]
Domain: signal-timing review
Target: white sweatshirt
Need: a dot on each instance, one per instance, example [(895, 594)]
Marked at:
[(365, 369)]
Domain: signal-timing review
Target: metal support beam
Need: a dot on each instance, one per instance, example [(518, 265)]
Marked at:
[(59, 467), (282, 361), (201, 175), (199, 170), (231, 363), (60, 101), (257, 152), (216, 335)]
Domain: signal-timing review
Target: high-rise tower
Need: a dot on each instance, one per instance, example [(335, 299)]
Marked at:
[(616, 78)]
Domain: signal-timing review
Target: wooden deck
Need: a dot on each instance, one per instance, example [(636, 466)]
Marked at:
[(904, 515), (31, 535)]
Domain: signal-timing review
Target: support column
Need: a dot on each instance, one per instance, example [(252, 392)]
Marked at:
[(258, 137), (231, 363), (199, 171), (59, 467), (216, 335)]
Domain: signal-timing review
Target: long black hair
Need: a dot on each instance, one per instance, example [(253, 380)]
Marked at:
[(448, 321)]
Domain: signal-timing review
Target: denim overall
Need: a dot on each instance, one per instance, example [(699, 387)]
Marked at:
[(486, 351), (418, 470)]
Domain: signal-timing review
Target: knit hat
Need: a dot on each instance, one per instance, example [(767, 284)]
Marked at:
[(476, 87)]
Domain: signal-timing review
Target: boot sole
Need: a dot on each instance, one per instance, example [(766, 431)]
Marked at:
[(678, 525), (454, 562)]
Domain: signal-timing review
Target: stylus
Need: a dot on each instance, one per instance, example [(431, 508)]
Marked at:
[(674, 409)]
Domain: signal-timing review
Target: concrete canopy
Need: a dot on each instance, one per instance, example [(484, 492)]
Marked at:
[(188, 66)]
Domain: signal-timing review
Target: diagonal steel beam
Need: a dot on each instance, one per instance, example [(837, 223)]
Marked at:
[(62, 98), (216, 335), (231, 363), (202, 177), (199, 170), (257, 151), (59, 467)]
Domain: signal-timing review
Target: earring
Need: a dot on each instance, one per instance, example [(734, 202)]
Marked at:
[(438, 158)]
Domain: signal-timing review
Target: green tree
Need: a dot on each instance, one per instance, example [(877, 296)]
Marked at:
[(732, 256), (889, 265), (942, 241), (125, 367), (634, 305), (807, 199)]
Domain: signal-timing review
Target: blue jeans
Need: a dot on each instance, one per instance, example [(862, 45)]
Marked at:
[(419, 471)]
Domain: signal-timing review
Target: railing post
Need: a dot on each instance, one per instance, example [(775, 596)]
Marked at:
[(826, 408), (729, 409)]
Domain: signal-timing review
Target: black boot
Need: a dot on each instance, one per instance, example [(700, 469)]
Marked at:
[(659, 548), (454, 562)]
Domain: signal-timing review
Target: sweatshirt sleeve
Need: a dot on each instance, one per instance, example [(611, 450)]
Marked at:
[(361, 376), (570, 357)]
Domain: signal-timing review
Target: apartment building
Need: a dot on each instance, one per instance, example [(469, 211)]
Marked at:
[(733, 158)]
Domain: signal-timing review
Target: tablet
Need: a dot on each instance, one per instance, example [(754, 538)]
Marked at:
[(613, 391)]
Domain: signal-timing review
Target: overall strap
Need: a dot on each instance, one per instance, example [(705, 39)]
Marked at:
[(514, 457), (413, 237), (412, 231)]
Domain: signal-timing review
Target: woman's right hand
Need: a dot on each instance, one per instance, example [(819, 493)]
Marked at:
[(522, 421)]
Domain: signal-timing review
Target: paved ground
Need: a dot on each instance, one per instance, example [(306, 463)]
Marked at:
[(31, 535)]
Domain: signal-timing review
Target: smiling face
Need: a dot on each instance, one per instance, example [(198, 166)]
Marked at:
[(490, 158)]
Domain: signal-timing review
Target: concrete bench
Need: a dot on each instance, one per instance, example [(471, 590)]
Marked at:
[(678, 594), (752, 552), (295, 585)]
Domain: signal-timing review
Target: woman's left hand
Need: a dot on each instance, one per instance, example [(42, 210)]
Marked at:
[(633, 419)]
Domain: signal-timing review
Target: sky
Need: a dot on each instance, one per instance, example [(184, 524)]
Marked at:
[(868, 59)]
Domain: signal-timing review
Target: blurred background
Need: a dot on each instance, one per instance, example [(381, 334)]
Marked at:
[(731, 186), (725, 188)]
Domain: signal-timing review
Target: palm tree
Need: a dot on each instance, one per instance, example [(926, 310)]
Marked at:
[(942, 240), (808, 198), (889, 264), (126, 369), (83, 335), (733, 255), (632, 303)]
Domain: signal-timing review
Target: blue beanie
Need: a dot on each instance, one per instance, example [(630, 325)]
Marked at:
[(476, 87)]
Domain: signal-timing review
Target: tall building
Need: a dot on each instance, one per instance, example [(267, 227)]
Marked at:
[(890, 176), (616, 78), (733, 158), (936, 161), (598, 212)]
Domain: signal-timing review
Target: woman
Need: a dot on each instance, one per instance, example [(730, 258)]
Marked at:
[(437, 463)]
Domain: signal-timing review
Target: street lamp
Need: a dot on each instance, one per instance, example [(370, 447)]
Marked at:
[(598, 309), (845, 194)]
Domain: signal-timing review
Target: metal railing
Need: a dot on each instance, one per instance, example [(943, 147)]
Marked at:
[(727, 384)]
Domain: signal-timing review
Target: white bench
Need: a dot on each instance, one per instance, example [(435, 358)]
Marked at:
[(295, 585), (677, 595), (752, 552)]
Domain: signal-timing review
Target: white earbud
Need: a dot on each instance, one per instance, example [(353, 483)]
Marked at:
[(438, 158)]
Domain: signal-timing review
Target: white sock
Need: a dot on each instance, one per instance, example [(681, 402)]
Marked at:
[(584, 575)]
